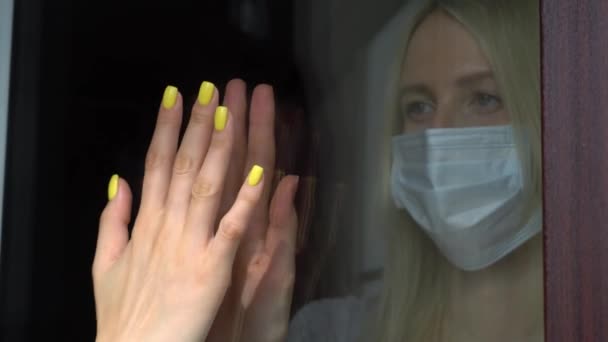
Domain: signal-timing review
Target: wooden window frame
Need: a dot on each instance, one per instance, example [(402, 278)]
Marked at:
[(575, 163)]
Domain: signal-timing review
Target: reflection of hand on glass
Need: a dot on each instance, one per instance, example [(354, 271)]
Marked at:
[(465, 253), (256, 306), (167, 282)]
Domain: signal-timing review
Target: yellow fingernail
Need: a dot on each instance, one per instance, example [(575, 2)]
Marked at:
[(221, 117), (169, 97), (113, 187), (205, 93), (255, 175)]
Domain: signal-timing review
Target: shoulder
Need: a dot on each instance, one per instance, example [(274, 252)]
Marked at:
[(334, 319)]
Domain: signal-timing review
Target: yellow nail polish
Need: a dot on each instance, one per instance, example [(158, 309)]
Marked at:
[(169, 97), (255, 175), (221, 117), (205, 93), (113, 187)]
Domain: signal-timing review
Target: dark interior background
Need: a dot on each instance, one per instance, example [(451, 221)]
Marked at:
[(87, 78), (81, 70)]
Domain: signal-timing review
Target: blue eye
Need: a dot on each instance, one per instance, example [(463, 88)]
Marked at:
[(487, 103), (417, 110)]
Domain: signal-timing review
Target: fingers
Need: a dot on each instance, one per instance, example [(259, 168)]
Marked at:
[(161, 152), (192, 152), (281, 235), (235, 98), (207, 189), (113, 233), (232, 226), (188, 185), (282, 227), (278, 259), (261, 150), (270, 276), (279, 249)]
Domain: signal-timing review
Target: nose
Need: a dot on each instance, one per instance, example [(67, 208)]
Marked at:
[(442, 120)]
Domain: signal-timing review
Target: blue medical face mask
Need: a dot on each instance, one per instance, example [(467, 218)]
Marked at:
[(464, 187)]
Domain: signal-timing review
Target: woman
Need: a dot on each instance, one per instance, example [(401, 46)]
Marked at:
[(465, 260), (463, 181)]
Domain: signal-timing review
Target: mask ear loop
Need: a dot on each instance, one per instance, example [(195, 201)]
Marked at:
[(522, 137)]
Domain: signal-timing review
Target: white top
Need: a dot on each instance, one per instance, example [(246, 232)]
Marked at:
[(328, 320), (332, 319)]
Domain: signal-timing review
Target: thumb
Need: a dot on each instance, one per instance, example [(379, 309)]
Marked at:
[(283, 222), (113, 234)]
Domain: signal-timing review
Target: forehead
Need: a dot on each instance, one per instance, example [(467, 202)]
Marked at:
[(441, 47)]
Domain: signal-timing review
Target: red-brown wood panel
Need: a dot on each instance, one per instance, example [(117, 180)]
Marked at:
[(575, 145)]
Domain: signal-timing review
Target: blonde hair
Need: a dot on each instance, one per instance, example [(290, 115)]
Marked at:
[(416, 274)]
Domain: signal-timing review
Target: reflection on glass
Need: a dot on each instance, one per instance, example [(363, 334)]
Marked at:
[(463, 179)]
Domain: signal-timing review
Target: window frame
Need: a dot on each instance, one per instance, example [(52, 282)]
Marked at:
[(575, 138)]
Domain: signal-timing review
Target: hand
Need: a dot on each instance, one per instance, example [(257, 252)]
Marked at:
[(167, 281), (258, 302)]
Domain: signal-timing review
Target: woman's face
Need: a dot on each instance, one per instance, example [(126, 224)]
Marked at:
[(446, 80)]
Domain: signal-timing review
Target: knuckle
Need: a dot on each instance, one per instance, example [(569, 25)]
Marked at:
[(200, 116), (183, 164), (248, 199), (167, 118), (231, 230), (203, 189), (258, 265), (221, 142), (154, 160)]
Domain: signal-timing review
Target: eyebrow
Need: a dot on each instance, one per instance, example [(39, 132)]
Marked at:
[(474, 78), (465, 81)]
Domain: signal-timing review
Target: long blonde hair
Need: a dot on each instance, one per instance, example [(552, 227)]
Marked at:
[(416, 275)]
